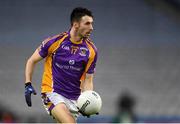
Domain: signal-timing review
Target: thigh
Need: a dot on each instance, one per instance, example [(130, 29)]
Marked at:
[(62, 114), (59, 107)]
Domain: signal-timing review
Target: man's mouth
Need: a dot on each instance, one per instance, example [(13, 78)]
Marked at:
[(88, 33)]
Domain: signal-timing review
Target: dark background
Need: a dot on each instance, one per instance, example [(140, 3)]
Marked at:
[(139, 52)]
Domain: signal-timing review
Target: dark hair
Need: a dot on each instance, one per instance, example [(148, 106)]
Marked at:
[(79, 12)]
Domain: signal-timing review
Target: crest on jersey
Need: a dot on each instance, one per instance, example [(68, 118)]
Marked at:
[(83, 51)]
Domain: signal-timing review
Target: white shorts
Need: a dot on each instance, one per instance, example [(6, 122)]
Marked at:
[(50, 100)]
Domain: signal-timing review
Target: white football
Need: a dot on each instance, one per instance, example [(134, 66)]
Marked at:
[(89, 102)]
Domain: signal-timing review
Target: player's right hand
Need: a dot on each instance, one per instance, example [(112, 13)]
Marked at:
[(28, 91)]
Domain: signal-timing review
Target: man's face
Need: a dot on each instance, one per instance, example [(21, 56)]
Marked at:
[(85, 26)]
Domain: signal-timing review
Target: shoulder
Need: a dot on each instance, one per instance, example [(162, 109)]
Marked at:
[(59, 36), (53, 39)]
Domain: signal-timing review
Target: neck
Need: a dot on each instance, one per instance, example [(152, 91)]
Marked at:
[(74, 37)]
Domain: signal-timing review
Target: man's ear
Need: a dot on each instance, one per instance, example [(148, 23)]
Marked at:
[(76, 25)]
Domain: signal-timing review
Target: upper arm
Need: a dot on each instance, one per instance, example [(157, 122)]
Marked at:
[(47, 47), (91, 64), (41, 52), (36, 56), (93, 55)]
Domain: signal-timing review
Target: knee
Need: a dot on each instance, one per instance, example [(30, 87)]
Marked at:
[(62, 114)]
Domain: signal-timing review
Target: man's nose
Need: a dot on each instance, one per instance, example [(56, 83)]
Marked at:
[(91, 27)]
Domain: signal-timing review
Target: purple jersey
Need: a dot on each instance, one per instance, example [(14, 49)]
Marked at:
[(66, 64)]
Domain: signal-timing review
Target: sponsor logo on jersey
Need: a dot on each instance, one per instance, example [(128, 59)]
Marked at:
[(71, 62), (68, 67)]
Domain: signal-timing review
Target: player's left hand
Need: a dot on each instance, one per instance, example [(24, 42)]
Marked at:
[(28, 91), (85, 115)]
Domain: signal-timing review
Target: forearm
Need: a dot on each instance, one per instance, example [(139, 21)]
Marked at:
[(29, 70), (87, 86), (88, 83), (28, 76), (31, 64)]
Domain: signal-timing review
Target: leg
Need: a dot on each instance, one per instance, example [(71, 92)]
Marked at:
[(62, 114)]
